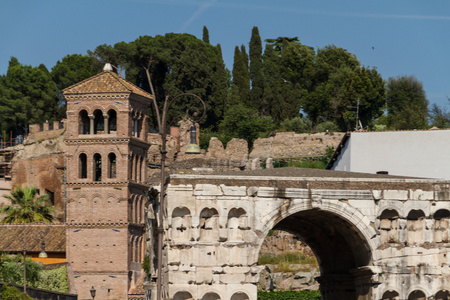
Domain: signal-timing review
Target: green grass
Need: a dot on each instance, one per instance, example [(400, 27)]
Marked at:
[(285, 260)]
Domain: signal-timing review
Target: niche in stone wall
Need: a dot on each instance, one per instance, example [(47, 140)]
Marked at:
[(415, 226), (182, 296), (240, 296), (441, 226), (417, 295), (389, 226), (209, 229), (211, 296), (236, 224), (181, 224), (390, 295), (442, 295)]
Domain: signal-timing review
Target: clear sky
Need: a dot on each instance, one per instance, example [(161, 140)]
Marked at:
[(398, 37)]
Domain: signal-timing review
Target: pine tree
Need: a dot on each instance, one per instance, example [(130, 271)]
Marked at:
[(256, 74)]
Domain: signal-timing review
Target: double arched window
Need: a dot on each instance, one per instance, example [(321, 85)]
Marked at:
[(97, 167), (97, 123)]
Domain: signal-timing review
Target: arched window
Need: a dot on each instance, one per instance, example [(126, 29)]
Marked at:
[(82, 167), (97, 167), (211, 296), (240, 296), (83, 122), (442, 295), (99, 122), (112, 120), (112, 165), (209, 225)]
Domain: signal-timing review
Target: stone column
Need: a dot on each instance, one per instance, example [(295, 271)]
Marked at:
[(106, 124), (91, 124)]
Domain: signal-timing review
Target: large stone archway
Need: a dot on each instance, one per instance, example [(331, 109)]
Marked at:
[(343, 253), (213, 247)]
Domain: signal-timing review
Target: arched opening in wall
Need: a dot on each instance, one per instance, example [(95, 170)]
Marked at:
[(415, 227), (388, 226), (390, 295), (182, 296), (342, 251), (211, 296), (112, 121), (442, 295), (97, 167), (417, 295), (239, 296), (441, 226), (209, 229), (112, 165), (99, 122), (83, 122), (237, 224), (82, 166), (181, 224)]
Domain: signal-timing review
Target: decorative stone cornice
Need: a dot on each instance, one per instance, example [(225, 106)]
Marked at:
[(112, 225)]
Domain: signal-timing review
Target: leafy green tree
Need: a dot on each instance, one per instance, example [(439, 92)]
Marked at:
[(11, 269), (27, 95), (407, 105), (256, 72), (245, 123), (27, 206), (219, 91), (297, 125), (439, 116), (54, 280), (73, 69)]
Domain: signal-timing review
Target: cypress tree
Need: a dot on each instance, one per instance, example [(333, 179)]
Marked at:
[(219, 89), (205, 35), (256, 74), (240, 88)]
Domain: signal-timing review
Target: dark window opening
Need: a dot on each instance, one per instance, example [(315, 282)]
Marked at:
[(83, 166), (112, 165), (97, 167)]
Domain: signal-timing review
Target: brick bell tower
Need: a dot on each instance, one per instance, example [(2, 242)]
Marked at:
[(106, 190)]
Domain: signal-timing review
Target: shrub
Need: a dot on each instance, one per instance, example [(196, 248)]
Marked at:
[(12, 293), (289, 295), (54, 280), (298, 125), (327, 126)]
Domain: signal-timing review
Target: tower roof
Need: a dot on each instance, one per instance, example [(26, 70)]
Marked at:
[(105, 82)]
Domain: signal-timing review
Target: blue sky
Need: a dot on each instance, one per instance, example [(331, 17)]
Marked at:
[(409, 37)]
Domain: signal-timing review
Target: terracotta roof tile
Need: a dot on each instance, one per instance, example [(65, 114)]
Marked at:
[(12, 236), (105, 82)]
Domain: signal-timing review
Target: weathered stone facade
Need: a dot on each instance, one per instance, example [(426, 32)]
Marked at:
[(376, 237), (106, 151)]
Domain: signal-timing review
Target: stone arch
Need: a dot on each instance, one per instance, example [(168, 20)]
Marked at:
[(209, 227), (211, 296), (415, 223), (341, 238), (441, 226), (390, 295), (442, 295), (417, 295), (388, 226), (83, 122), (182, 296), (236, 223), (181, 224), (239, 296)]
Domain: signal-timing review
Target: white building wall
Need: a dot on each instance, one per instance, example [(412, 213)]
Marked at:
[(404, 153)]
